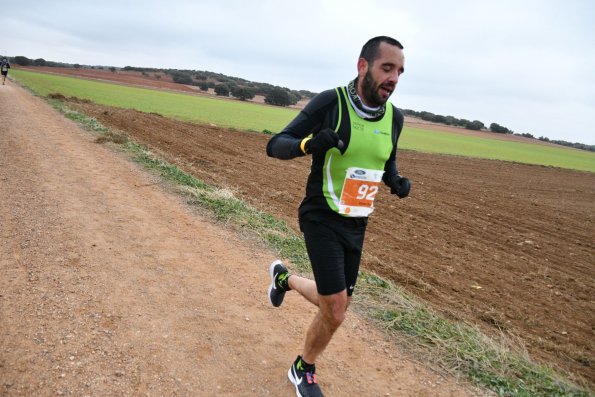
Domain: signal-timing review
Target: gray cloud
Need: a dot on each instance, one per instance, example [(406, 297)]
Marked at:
[(526, 65)]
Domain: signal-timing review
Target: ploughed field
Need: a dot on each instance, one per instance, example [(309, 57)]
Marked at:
[(505, 246)]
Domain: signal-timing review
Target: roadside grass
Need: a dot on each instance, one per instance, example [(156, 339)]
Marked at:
[(501, 366), (227, 208), (255, 117)]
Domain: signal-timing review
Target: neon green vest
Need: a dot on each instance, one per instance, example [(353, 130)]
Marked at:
[(370, 145)]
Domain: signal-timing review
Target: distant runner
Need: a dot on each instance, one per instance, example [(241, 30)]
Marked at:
[(353, 146), (4, 66)]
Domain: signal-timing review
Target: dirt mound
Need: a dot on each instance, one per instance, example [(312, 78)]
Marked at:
[(506, 246), (62, 97), (57, 95)]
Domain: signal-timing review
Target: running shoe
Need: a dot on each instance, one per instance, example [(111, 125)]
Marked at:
[(279, 286), (304, 379)]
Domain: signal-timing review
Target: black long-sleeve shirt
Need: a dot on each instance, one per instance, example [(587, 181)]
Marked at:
[(320, 113)]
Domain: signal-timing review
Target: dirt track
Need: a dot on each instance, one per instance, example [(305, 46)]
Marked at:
[(509, 247), (112, 287)]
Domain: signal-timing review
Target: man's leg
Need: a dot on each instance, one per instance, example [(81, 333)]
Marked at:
[(330, 316), (305, 287), (335, 263), (326, 250)]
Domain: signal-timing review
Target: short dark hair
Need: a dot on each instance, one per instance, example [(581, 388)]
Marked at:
[(370, 49)]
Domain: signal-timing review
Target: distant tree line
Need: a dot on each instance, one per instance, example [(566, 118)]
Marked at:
[(137, 69), (475, 125), (222, 85), (243, 89), (494, 127), (24, 61), (576, 145), (238, 87)]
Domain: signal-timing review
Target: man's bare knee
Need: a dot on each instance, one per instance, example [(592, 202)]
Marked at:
[(333, 308)]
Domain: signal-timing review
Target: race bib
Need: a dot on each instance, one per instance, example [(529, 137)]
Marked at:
[(359, 191)]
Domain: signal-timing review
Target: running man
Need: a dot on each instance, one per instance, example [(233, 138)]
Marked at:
[(351, 133), (4, 66)]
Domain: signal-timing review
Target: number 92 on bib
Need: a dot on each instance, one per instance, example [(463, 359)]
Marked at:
[(359, 191)]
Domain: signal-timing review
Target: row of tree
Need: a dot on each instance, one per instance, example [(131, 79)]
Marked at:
[(277, 96), (237, 87), (475, 125), (222, 85), (494, 127), (24, 61), (576, 145), (280, 96)]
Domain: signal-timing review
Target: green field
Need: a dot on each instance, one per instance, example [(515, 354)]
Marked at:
[(201, 109), (256, 117), (489, 148)]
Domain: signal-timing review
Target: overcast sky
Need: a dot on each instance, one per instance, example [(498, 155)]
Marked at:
[(527, 65)]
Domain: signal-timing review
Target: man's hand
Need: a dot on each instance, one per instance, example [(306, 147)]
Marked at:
[(323, 141), (400, 186)]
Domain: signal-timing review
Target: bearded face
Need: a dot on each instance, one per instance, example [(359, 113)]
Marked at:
[(376, 93)]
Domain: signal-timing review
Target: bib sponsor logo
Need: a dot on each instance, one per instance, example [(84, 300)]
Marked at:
[(358, 174)]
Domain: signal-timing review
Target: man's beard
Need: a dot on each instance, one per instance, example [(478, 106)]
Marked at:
[(370, 91)]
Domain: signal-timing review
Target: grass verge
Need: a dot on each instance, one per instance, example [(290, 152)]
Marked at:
[(501, 366), (456, 347), (227, 208)]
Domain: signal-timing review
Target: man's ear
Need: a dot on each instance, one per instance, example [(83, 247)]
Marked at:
[(362, 67)]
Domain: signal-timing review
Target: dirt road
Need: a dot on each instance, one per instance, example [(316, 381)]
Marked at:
[(111, 286)]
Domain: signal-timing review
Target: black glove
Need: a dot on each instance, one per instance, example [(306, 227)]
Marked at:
[(400, 186), (323, 141)]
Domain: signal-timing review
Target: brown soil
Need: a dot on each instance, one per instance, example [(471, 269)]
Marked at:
[(506, 246), (111, 286)]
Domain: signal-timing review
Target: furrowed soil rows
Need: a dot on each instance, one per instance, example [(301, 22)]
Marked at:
[(509, 247)]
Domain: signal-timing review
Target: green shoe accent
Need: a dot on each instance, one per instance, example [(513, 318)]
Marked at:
[(300, 364), (283, 281)]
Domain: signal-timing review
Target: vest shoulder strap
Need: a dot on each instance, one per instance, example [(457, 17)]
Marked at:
[(343, 119)]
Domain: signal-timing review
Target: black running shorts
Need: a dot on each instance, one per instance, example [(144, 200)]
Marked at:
[(334, 245)]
